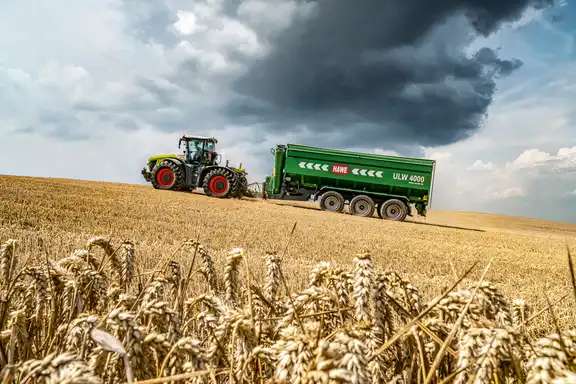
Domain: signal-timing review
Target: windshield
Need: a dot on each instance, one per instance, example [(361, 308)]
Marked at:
[(195, 148), (210, 146)]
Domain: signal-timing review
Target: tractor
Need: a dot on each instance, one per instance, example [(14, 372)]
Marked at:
[(197, 167)]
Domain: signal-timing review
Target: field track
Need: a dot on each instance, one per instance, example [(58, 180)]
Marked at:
[(529, 256)]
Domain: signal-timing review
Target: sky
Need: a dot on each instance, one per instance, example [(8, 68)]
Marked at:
[(89, 90)]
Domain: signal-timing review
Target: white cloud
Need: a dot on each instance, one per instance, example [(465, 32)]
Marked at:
[(187, 23), (531, 157), (563, 161), (479, 165), (218, 33), (219, 40), (436, 155), (566, 152), (507, 193)]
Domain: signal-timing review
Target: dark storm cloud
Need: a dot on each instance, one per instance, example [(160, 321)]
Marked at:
[(376, 71), (489, 58)]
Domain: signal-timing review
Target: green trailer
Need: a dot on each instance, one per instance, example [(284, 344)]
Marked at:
[(389, 185)]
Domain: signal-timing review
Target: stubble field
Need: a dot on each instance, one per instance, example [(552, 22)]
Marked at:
[(52, 218)]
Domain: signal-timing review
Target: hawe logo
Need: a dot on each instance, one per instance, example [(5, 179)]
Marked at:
[(340, 169)]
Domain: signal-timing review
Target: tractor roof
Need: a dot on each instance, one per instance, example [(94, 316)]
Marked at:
[(192, 137)]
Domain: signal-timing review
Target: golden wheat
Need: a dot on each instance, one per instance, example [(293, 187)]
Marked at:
[(163, 305), (115, 329)]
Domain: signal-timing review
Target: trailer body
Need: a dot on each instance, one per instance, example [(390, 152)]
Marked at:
[(364, 181)]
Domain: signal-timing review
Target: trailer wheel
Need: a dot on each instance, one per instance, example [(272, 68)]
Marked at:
[(332, 201), (394, 210), (379, 210), (362, 205)]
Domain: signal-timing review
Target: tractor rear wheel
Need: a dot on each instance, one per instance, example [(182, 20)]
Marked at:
[(242, 186), (332, 201), (394, 210), (220, 183), (167, 176), (362, 205)]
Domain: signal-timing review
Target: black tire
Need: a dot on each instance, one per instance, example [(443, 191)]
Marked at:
[(221, 183), (168, 176), (393, 209), (362, 205), (242, 189), (332, 201)]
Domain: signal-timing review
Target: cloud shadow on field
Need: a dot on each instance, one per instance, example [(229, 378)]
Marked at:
[(315, 208), (446, 226)]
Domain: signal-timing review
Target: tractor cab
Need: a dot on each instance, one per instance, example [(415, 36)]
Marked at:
[(200, 150)]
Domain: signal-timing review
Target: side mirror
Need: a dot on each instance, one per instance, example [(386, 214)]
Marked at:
[(179, 143), (217, 158)]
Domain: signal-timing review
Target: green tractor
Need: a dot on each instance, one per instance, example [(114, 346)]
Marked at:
[(197, 167)]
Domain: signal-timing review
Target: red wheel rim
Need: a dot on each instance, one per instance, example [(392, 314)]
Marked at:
[(218, 185), (165, 177)]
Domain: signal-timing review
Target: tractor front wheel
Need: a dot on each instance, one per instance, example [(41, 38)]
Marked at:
[(168, 176), (220, 183)]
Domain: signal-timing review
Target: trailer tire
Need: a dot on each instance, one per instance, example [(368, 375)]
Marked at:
[(332, 201), (362, 205), (393, 209), (379, 210)]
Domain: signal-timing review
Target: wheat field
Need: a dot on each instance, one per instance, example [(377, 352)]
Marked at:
[(106, 282)]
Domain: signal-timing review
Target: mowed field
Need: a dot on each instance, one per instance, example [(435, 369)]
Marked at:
[(529, 258)]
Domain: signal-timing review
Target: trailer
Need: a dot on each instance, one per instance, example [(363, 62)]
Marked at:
[(389, 185)]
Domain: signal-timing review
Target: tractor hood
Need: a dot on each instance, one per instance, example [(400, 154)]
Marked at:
[(157, 158)]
